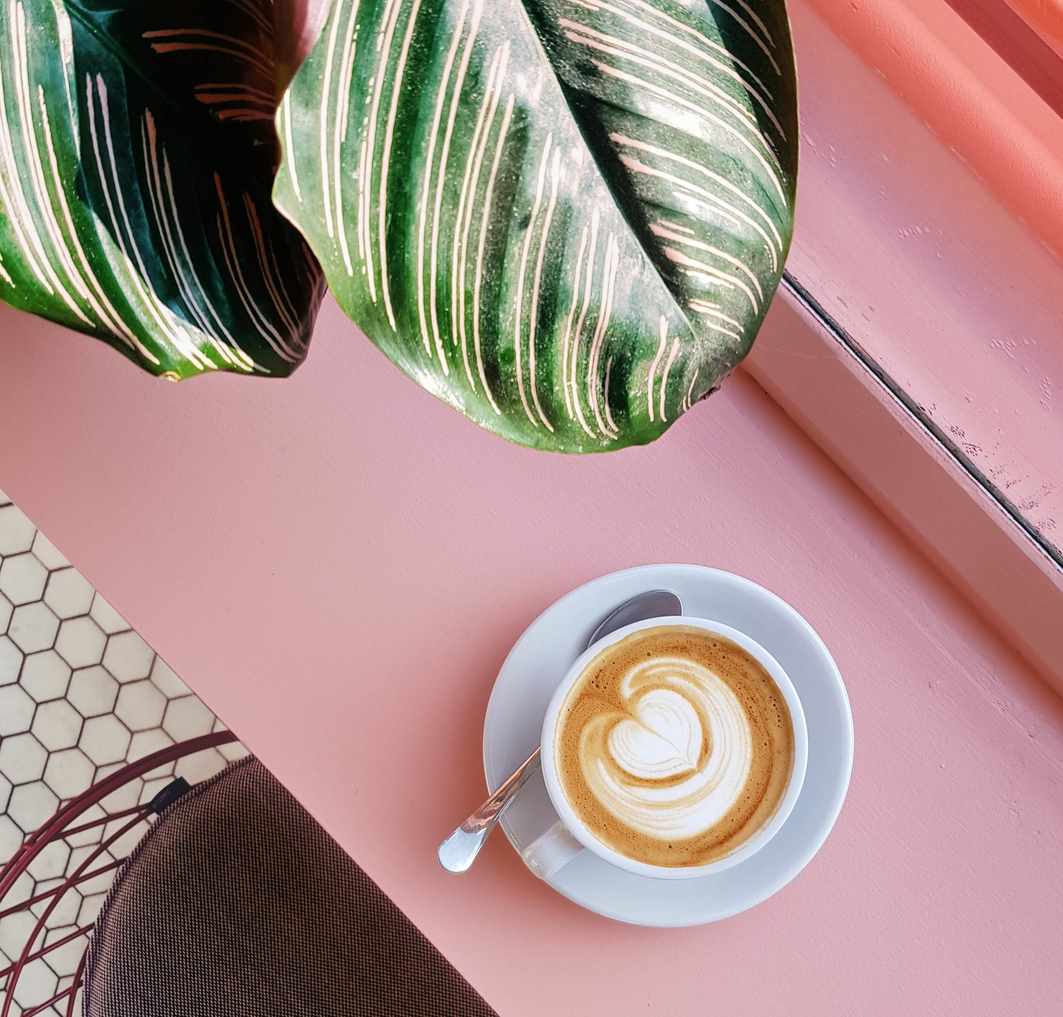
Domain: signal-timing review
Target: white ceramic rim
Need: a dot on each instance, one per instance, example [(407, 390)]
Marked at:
[(747, 848)]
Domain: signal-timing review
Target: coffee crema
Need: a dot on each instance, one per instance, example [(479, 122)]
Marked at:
[(674, 746)]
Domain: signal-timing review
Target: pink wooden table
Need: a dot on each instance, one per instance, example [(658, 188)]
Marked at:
[(338, 565)]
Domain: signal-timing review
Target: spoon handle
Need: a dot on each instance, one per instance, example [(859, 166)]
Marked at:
[(460, 849)]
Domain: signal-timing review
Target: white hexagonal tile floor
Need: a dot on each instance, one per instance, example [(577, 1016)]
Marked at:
[(81, 696)]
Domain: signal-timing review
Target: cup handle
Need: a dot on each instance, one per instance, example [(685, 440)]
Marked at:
[(551, 850)]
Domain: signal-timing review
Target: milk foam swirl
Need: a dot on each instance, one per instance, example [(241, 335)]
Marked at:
[(675, 764)]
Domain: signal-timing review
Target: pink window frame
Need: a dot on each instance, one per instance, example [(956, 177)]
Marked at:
[(811, 356)]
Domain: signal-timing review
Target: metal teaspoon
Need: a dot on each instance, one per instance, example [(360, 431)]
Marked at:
[(460, 849)]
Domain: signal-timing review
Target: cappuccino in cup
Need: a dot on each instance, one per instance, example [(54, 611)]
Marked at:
[(674, 746)]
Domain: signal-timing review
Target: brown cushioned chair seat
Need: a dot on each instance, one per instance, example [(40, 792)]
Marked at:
[(238, 904)]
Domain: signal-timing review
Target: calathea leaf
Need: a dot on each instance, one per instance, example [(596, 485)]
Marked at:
[(564, 217), (136, 160)]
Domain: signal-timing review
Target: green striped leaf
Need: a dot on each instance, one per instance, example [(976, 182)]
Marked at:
[(137, 150), (566, 218)]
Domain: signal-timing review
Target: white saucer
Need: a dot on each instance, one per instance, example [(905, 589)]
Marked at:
[(556, 638)]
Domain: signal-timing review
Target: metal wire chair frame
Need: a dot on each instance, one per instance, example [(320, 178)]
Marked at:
[(59, 828)]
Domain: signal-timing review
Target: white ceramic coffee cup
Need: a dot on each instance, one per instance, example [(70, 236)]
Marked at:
[(568, 837)]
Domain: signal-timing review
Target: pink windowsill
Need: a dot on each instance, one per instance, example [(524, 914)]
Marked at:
[(338, 564)]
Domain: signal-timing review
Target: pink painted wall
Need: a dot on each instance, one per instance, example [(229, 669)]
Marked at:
[(338, 564), (1045, 17), (969, 96)]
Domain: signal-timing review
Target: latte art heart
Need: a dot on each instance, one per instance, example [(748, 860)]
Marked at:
[(674, 746), (663, 739), (657, 776)]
